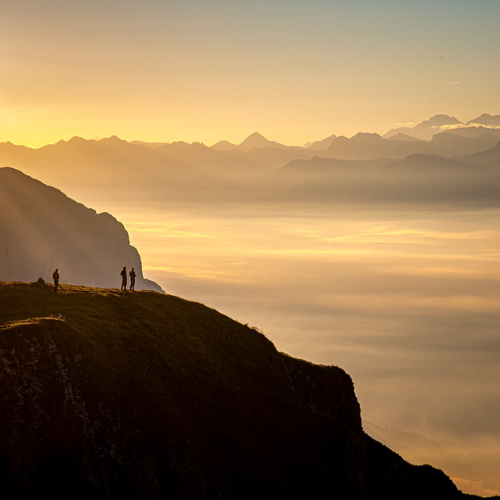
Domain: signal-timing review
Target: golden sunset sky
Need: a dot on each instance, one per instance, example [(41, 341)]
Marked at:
[(295, 70)]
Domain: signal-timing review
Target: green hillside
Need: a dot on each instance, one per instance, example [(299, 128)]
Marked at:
[(110, 394)]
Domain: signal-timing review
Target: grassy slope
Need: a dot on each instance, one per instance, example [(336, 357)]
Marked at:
[(140, 394), (180, 371)]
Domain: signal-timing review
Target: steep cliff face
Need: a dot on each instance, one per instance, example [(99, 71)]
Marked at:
[(42, 229), (107, 394)]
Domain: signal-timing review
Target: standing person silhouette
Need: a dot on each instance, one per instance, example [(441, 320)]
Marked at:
[(132, 279), (55, 277), (124, 278)]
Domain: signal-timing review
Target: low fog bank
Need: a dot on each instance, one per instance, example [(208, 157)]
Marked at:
[(473, 468), (408, 303)]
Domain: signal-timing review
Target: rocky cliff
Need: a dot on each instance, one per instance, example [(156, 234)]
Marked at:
[(109, 394), (42, 229)]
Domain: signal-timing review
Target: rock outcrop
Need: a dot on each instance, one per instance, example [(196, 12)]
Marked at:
[(42, 229), (107, 394)]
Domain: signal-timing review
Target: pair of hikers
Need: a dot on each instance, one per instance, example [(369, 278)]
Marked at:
[(124, 278)]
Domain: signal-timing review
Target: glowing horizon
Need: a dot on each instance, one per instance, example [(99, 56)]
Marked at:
[(444, 128)]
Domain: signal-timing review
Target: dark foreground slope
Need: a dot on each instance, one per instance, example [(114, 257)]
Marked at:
[(41, 229), (108, 394)]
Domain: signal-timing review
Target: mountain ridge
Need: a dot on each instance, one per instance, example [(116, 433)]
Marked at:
[(486, 119), (425, 129), (253, 141), (43, 229)]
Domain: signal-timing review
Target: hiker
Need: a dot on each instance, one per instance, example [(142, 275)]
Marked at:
[(124, 278), (132, 279), (55, 277)]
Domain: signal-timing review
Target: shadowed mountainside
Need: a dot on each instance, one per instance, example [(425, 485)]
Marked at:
[(488, 158), (419, 178), (42, 229), (108, 394)]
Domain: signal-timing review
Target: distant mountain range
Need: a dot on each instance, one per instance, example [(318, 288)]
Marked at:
[(180, 172), (416, 179), (423, 131)]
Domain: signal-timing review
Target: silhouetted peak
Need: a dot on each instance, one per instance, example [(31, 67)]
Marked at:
[(256, 137), (367, 137), (113, 140), (435, 164), (403, 138), (447, 136), (484, 116), (425, 129), (421, 162), (486, 119), (187, 145), (255, 140), (198, 145), (440, 120), (12, 172), (496, 147), (418, 157), (224, 146), (485, 134), (74, 140), (321, 145)]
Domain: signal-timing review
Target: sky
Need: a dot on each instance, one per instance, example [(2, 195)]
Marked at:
[(192, 70)]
